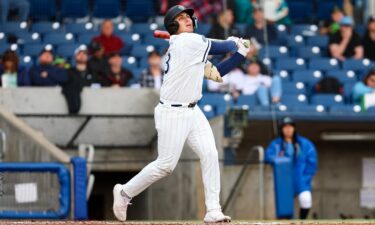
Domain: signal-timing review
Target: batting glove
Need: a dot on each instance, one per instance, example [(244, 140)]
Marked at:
[(211, 73), (234, 39), (243, 47)]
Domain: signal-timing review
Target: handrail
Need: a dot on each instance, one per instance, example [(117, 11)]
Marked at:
[(35, 136), (240, 177)]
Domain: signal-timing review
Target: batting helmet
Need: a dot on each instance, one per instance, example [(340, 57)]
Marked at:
[(169, 20)]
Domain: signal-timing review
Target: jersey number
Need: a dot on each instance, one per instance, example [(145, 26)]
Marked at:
[(166, 67)]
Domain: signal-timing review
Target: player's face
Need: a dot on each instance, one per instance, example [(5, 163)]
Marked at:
[(371, 81), (288, 131), (185, 23)]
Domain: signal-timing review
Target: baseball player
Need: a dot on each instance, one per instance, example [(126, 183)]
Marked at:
[(177, 118)]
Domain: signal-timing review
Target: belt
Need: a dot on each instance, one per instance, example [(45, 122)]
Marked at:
[(190, 105)]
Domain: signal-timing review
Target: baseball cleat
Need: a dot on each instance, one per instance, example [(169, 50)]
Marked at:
[(120, 202), (216, 217)]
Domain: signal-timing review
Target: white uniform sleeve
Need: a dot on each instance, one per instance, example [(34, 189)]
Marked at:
[(195, 47)]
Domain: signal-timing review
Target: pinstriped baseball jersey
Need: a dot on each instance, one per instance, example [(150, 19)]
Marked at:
[(184, 68)]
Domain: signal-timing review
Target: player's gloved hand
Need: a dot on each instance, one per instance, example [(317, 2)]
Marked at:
[(211, 73), (243, 47), (234, 39)]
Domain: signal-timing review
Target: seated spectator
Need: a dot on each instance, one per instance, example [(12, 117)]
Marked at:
[(366, 86), (110, 42), (332, 26), (22, 6), (98, 65), (203, 9), (46, 74), (232, 83), (11, 74), (243, 10), (224, 26), (262, 85), (276, 11), (256, 29), (61, 62), (118, 76), (346, 43), (304, 157), (369, 40), (152, 77)]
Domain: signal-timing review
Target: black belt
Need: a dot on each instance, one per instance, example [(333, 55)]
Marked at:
[(191, 105)]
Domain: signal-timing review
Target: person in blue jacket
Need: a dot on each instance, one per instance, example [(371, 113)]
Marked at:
[(46, 74), (304, 158)]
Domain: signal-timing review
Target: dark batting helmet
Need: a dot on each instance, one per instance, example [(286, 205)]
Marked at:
[(169, 20)]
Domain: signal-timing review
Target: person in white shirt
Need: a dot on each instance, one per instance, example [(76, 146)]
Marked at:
[(262, 85), (177, 119)]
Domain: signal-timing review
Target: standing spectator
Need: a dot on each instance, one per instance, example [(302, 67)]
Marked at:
[(346, 43), (302, 153), (110, 42), (203, 9), (243, 10), (369, 40), (152, 77), (366, 86), (256, 29), (46, 74), (11, 74), (98, 65), (262, 85), (224, 26), (117, 76), (332, 26), (277, 11), (22, 6)]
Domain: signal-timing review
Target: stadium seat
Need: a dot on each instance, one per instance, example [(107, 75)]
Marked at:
[(85, 38), (218, 101), (319, 41), (79, 28), (301, 11), (58, 38), (143, 29), (28, 38), (344, 76), (4, 47), (158, 42), (13, 27), (140, 10), (295, 41), (247, 100), (307, 76), (129, 62), (324, 8), (33, 50), (304, 29), (290, 64), (208, 111), (67, 50), (106, 9), (274, 52), (310, 109), (327, 100), (131, 39), (74, 8), (348, 89), (294, 88), (293, 100), (324, 64), (42, 9), (26, 62), (46, 27), (345, 109), (136, 73), (141, 50), (282, 34), (143, 63), (357, 64), (204, 28), (309, 52)]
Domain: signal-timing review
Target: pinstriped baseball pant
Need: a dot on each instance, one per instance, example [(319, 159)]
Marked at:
[(175, 125)]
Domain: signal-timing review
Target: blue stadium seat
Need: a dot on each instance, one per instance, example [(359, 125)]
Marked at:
[(304, 29), (46, 27), (324, 64), (42, 9), (301, 11), (345, 109), (294, 88), (283, 74), (28, 38), (33, 50), (327, 100), (58, 38), (131, 39), (143, 28), (290, 64), (67, 50), (348, 89), (143, 63), (325, 8), (85, 38), (129, 62), (247, 100), (26, 62), (307, 76), (140, 10), (282, 34), (274, 52), (106, 9), (158, 42), (295, 41), (217, 100), (203, 28), (141, 50), (136, 72), (79, 28), (319, 41), (74, 8), (4, 47), (293, 100), (357, 64), (309, 52), (208, 111), (310, 109), (344, 76), (13, 27)]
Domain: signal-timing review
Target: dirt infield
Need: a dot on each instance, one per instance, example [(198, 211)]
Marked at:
[(68, 222)]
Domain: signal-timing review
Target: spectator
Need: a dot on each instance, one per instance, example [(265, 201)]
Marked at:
[(243, 11), (346, 43), (61, 62), (110, 42), (366, 86), (224, 26), (332, 26), (152, 77), (304, 157), (22, 6), (232, 83), (256, 29), (98, 65), (203, 9), (45, 74), (369, 40), (276, 11), (117, 76), (262, 85), (11, 74)]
